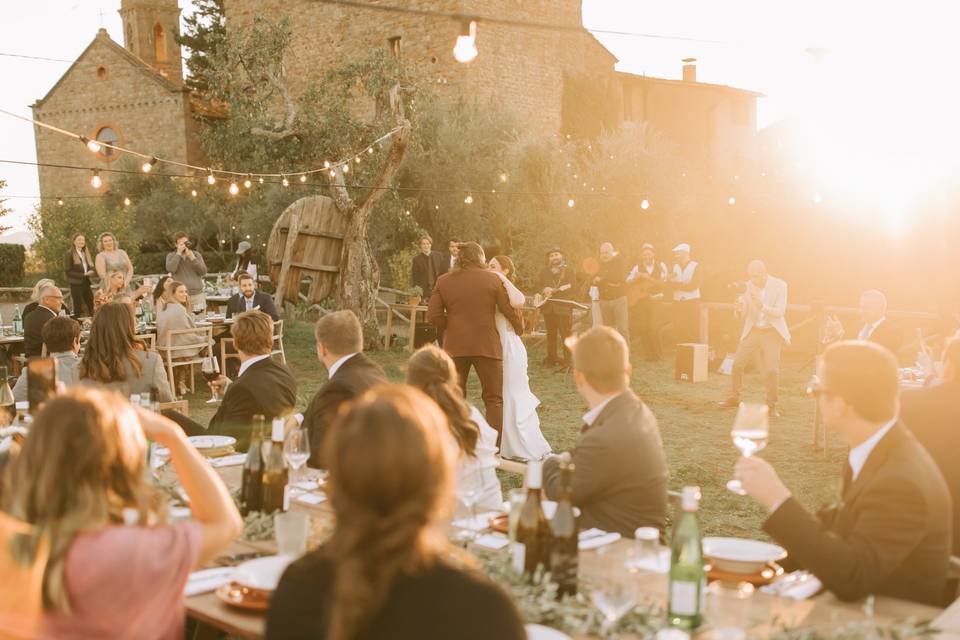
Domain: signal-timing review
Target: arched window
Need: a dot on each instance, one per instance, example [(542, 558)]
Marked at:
[(159, 43), (109, 136)]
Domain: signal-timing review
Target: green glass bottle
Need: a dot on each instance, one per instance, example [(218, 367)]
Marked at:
[(564, 538), (687, 576)]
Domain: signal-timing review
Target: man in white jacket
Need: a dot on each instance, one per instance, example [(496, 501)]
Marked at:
[(765, 329)]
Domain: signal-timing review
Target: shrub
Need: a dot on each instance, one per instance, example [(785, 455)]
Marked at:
[(12, 257)]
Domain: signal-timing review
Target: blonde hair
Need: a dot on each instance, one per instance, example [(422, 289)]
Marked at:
[(602, 356), (80, 471), (107, 287), (252, 332), (116, 243)]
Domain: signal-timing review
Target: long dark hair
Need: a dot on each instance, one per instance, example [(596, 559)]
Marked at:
[(112, 341), (506, 263), (86, 250), (432, 371)]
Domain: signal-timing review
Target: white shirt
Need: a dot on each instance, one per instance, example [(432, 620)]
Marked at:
[(860, 453), (336, 365), (83, 261), (591, 416), (684, 275), (868, 329), (762, 321), (248, 302), (246, 365)]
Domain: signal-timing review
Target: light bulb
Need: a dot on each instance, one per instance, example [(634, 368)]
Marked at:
[(731, 200), (571, 203), (644, 204), (248, 236), (817, 199), (465, 50), (147, 166), (736, 177), (346, 168), (93, 145), (333, 174), (126, 202), (211, 179), (504, 177), (60, 202), (303, 177), (284, 181), (193, 192), (248, 182), (260, 179), (234, 189), (370, 150), (468, 199), (326, 164), (95, 181)]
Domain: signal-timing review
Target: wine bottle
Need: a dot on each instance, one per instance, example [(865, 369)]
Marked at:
[(275, 472), (564, 537), (251, 481), (688, 582), (530, 549), (8, 404)]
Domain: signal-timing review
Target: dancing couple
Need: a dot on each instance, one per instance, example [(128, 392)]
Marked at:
[(477, 305)]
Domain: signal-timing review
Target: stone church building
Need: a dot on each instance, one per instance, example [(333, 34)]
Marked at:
[(134, 94)]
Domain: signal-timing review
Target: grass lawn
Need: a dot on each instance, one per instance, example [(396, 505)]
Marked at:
[(696, 435)]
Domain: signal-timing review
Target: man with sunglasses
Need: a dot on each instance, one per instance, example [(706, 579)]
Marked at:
[(891, 532)]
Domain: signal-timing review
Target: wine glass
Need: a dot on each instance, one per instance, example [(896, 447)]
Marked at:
[(211, 371), (612, 589), (469, 491), (198, 309), (296, 449), (750, 431)]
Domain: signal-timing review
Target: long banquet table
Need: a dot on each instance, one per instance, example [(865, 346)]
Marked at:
[(759, 613)]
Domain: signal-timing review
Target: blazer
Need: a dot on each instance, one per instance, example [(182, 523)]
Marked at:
[(621, 472), (773, 307), (465, 303), (267, 388), (32, 326), (236, 305), (420, 270), (73, 269), (152, 374), (889, 536), (67, 364), (352, 378), (933, 416)]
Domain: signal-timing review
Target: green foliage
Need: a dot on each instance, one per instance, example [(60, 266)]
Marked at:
[(11, 264), (3, 210), (204, 31)]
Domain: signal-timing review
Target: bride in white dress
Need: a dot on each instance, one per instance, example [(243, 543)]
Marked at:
[(521, 425)]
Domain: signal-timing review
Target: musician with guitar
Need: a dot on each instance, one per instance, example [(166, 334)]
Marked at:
[(645, 284), (557, 286)]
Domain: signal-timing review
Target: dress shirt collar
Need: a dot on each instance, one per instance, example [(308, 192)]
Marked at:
[(591, 416), (252, 361), (860, 453), (868, 329), (336, 365)]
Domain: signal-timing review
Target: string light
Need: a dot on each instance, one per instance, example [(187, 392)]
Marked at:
[(333, 173), (504, 177), (465, 50), (147, 166), (60, 202), (284, 181), (248, 182), (95, 180), (326, 164), (346, 168), (817, 199), (126, 201), (261, 180), (644, 204), (468, 199), (211, 180), (731, 201), (370, 150), (193, 192), (93, 145), (234, 189), (571, 203), (303, 177)]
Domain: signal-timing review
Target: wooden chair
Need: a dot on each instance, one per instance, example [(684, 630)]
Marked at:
[(175, 356), (278, 341), (226, 344), (180, 406), (150, 339)]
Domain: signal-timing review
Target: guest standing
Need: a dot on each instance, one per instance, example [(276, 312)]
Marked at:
[(249, 299), (115, 568), (558, 282), (79, 268), (245, 262), (175, 317), (685, 284), (890, 533), (453, 250), (339, 339), (612, 291), (432, 371), (426, 267), (187, 266), (388, 572), (651, 274), (621, 478), (49, 305), (110, 257), (61, 336)]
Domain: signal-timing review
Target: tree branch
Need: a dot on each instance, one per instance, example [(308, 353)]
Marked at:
[(398, 146), (287, 130)]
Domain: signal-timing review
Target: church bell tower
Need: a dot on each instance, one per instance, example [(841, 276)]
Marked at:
[(150, 30)]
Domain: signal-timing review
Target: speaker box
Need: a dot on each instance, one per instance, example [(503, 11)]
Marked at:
[(425, 334), (691, 363)]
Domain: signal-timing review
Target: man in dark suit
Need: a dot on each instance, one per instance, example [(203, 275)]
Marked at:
[(557, 282), (50, 304), (464, 304), (874, 325), (250, 299), (890, 534), (427, 266), (349, 373), (263, 387), (933, 416), (620, 482)]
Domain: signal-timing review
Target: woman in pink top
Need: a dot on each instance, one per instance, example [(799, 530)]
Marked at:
[(116, 569)]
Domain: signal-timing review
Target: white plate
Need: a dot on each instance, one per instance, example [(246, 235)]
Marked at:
[(262, 573), (739, 555), (540, 632), (212, 442)]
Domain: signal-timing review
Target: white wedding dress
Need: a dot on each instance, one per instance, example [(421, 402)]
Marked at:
[(521, 424)]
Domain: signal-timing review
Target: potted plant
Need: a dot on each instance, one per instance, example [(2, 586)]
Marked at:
[(415, 295)]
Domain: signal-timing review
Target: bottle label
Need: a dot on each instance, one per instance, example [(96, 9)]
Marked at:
[(286, 497), (519, 551), (277, 430), (684, 599)]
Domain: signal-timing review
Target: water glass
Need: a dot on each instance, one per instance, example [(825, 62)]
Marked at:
[(514, 504), (292, 530), (296, 449), (645, 555), (612, 590)]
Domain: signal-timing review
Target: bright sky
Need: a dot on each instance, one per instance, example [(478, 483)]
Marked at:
[(883, 97)]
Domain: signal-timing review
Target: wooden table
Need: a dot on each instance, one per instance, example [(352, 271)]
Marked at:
[(219, 301), (412, 309), (757, 614)]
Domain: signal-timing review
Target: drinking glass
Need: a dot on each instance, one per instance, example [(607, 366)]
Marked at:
[(469, 493), (515, 500), (211, 371), (612, 589), (750, 431), (292, 530), (296, 449), (645, 554), (198, 310)]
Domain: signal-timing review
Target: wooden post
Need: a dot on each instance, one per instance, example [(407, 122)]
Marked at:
[(287, 258), (389, 338), (413, 328), (704, 324)]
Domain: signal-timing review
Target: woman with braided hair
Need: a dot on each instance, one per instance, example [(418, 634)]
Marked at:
[(388, 570)]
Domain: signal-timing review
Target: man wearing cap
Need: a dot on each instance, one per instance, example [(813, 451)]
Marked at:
[(245, 263), (685, 281), (557, 282), (610, 282), (653, 273)]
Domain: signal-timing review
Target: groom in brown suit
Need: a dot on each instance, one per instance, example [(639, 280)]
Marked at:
[(464, 304)]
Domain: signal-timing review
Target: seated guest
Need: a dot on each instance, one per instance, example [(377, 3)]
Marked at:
[(874, 325), (61, 335), (432, 371), (890, 534), (116, 289), (249, 299), (620, 482), (263, 387), (174, 317), (35, 296), (115, 569), (387, 571), (115, 359), (933, 416), (349, 373), (162, 293), (49, 305)]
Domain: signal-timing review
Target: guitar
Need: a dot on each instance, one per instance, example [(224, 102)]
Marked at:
[(642, 288)]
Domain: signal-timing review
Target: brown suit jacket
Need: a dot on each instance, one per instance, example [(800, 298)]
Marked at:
[(464, 303)]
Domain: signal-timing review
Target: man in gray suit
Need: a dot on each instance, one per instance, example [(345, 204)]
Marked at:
[(620, 482), (61, 335)]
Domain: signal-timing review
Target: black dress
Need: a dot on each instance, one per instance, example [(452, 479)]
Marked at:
[(439, 604)]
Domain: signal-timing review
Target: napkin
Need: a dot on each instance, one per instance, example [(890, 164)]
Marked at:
[(306, 485), (228, 461), (207, 580), (477, 523), (593, 538), (311, 498), (657, 564), (798, 585), (493, 541)]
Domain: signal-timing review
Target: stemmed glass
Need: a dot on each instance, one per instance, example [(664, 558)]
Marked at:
[(198, 310), (211, 371), (296, 449), (612, 590), (751, 429), (469, 492)]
